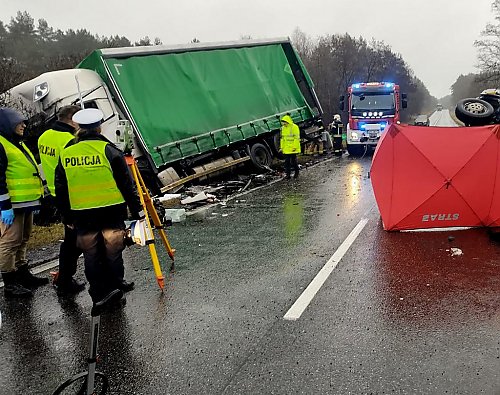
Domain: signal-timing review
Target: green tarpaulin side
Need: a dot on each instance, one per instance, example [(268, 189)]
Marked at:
[(187, 103), (304, 70), (94, 62)]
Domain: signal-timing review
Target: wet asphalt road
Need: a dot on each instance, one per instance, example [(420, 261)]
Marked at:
[(442, 118), (398, 314)]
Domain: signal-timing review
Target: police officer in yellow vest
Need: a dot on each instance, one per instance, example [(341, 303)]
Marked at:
[(50, 145), (93, 189), (290, 145), (20, 193)]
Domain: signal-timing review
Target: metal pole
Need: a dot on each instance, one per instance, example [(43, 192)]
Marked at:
[(79, 92), (94, 338)]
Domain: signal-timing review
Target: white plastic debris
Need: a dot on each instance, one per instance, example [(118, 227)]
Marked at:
[(175, 214), (196, 198), (456, 251)]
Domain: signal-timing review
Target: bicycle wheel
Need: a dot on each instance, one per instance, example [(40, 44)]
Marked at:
[(77, 385)]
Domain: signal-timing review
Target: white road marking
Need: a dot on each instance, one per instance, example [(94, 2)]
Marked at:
[(40, 268), (314, 286)]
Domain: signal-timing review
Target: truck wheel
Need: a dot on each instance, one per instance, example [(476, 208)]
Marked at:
[(356, 149), (261, 156), (274, 143), (474, 112)]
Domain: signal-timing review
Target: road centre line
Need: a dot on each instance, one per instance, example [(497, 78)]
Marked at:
[(314, 286)]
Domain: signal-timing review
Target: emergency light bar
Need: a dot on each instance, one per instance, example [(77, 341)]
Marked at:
[(381, 125), (389, 85)]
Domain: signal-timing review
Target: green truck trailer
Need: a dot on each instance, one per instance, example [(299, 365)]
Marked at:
[(187, 111)]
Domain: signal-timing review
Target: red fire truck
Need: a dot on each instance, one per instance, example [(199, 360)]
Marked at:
[(372, 106)]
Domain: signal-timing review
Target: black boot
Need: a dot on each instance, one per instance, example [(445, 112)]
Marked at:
[(65, 288), (27, 279), (112, 301), (126, 286), (12, 289)]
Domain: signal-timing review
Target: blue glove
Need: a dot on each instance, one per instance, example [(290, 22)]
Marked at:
[(7, 217)]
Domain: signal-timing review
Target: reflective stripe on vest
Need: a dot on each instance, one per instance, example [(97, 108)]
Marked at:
[(50, 145), (89, 175), (23, 181), (290, 139)]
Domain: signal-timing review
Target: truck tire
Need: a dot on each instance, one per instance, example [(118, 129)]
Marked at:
[(261, 156), (274, 144), (474, 112), (356, 149)]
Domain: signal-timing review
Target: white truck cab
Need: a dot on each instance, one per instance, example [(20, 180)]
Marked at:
[(44, 95)]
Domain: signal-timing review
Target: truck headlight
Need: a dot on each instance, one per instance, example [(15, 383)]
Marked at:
[(354, 136)]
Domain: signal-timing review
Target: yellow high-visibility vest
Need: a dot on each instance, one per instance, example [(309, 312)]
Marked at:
[(50, 145), (290, 137), (23, 181), (89, 175)]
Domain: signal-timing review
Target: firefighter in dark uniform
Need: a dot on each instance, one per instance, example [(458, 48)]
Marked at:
[(93, 189), (336, 130), (50, 145)]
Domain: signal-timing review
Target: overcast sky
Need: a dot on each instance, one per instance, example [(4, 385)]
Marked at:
[(435, 37)]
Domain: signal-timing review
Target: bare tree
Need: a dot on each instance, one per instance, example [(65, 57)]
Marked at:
[(489, 48), (302, 43), (337, 61), (469, 85)]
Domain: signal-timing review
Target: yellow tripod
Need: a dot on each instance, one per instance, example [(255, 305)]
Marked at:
[(149, 208)]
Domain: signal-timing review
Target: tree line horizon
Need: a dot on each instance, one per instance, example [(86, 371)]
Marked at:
[(334, 61)]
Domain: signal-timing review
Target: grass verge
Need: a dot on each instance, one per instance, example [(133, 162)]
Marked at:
[(42, 236), (454, 117)]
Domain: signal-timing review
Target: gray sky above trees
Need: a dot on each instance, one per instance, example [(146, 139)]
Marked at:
[(435, 37)]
